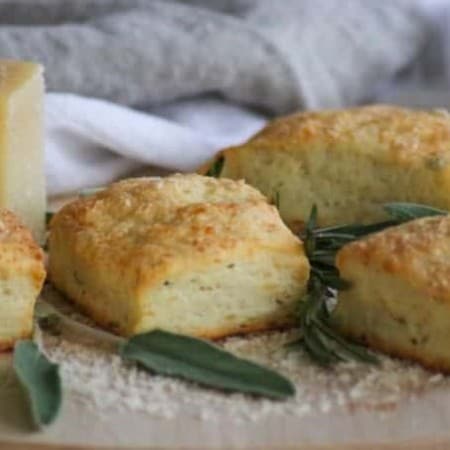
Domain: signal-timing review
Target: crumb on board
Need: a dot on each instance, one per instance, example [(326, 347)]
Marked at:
[(99, 379)]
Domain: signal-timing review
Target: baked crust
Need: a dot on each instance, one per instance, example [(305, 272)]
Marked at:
[(139, 239), (417, 251), (401, 135)]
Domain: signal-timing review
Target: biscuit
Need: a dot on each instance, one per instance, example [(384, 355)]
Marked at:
[(189, 254), (399, 299), (22, 275), (347, 162)]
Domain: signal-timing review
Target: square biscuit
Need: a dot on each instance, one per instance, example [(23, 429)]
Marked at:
[(399, 299), (22, 275), (347, 162), (188, 254)]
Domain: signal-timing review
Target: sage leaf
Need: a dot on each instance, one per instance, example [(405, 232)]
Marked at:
[(403, 212), (196, 360), (41, 381)]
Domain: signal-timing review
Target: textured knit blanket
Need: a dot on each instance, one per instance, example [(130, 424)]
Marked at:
[(268, 55)]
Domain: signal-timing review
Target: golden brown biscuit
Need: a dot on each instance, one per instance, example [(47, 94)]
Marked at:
[(347, 162), (399, 301), (22, 275), (186, 253)]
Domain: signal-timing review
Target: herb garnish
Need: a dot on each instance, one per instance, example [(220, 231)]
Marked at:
[(321, 245), (404, 212), (48, 217), (320, 341), (40, 379), (216, 168), (200, 361), (181, 356)]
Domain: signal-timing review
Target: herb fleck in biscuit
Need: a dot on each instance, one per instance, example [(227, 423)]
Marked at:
[(186, 253), (22, 275), (399, 301), (347, 162)]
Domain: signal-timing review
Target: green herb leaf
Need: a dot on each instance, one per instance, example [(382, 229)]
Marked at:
[(197, 360), (404, 212), (320, 341), (351, 232), (322, 244), (216, 168), (309, 237), (41, 380), (48, 217)]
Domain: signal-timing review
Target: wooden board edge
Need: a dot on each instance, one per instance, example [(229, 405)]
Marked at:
[(406, 445)]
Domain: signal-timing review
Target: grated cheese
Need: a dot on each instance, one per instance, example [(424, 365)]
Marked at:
[(95, 376)]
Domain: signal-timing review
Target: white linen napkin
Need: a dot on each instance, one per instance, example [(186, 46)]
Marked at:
[(91, 142)]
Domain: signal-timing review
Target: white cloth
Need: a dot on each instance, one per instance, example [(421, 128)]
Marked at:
[(91, 142)]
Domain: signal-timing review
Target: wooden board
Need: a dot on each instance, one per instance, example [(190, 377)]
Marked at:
[(414, 445), (422, 424)]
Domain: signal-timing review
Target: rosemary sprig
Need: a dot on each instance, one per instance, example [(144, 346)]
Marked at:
[(48, 217), (322, 244), (216, 168), (321, 342), (404, 212)]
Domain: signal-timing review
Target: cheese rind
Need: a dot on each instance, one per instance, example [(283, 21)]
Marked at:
[(399, 299), (22, 275), (188, 254), (22, 177)]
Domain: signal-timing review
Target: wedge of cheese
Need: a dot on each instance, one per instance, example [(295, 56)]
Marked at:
[(22, 275), (186, 253), (348, 162), (22, 181), (399, 299)]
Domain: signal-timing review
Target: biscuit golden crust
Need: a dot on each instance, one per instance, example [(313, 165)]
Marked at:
[(22, 275), (391, 133), (347, 162), (145, 247), (399, 301), (417, 251)]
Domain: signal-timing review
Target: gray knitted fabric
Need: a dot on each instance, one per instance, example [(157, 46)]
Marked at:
[(274, 55)]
